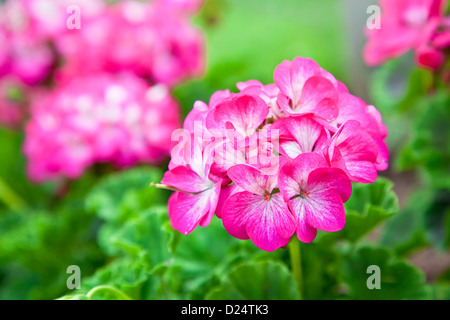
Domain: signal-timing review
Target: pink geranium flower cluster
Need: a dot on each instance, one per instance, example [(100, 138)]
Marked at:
[(151, 39), (276, 159), (419, 25), (98, 118), (100, 92)]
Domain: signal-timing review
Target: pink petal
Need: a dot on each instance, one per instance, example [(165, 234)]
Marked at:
[(184, 179), (353, 108), (197, 114), (245, 113), (290, 77), (187, 211), (324, 210), (225, 193), (319, 96), (218, 97), (362, 171), (294, 175), (357, 170), (324, 179), (282, 77), (235, 214), (213, 201), (429, 57), (355, 143), (268, 223), (249, 178), (305, 232), (303, 130)]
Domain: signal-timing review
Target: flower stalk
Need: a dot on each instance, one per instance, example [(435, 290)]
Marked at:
[(296, 264), (10, 198)]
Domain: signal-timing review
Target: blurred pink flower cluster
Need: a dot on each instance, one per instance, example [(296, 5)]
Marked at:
[(419, 25), (100, 92), (99, 118), (275, 159)]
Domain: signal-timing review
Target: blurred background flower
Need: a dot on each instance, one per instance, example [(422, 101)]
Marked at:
[(81, 109)]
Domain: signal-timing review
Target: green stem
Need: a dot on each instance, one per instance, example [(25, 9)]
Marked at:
[(108, 289), (296, 264), (9, 197)]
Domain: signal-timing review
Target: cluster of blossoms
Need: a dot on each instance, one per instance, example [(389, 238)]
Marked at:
[(151, 40), (95, 87), (99, 118), (419, 25), (276, 159)]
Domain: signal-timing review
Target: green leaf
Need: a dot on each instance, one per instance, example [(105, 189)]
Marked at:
[(439, 292), (202, 257), (37, 247), (130, 275), (143, 235), (425, 220), (429, 146), (13, 171), (378, 194), (399, 279), (126, 193), (257, 281), (320, 262)]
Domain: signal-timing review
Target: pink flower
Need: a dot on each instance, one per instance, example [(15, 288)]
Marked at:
[(100, 118), (147, 38), (405, 25), (29, 26), (354, 151), (432, 54), (306, 88), (429, 57), (300, 135), (257, 213), (315, 194), (197, 194), (281, 157), (184, 6), (243, 113)]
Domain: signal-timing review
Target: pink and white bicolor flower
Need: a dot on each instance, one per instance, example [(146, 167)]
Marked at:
[(315, 194), (259, 212), (306, 88), (197, 193), (300, 135), (244, 113), (354, 151)]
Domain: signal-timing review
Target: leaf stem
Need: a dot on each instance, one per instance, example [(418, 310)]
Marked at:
[(296, 264), (108, 289), (10, 198)]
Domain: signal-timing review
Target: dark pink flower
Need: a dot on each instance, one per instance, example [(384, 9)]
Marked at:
[(405, 25)]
